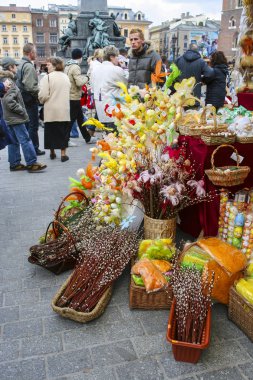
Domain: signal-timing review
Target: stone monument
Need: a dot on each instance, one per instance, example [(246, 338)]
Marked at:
[(92, 29)]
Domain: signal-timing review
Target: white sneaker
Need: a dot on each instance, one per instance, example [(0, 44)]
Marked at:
[(71, 144), (93, 140)]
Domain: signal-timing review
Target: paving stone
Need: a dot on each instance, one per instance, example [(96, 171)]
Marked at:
[(48, 292), (222, 374), (174, 369), (30, 296), (69, 362), (247, 370), (9, 350), (16, 273), (9, 314), (111, 314), (87, 336), (39, 345), (219, 354), (10, 285), (35, 311), (32, 369), (57, 323), (114, 353), (95, 374), (155, 322), (37, 282), (150, 345), (122, 330), (225, 329), (1, 299), (22, 329), (246, 344), (147, 369)]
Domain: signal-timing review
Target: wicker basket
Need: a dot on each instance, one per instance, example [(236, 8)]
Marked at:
[(203, 128), (234, 177), (244, 140), (78, 316), (240, 311), (140, 299), (159, 228), (216, 139)]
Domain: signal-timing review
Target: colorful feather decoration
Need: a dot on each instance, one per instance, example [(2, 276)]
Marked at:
[(175, 73), (158, 75)]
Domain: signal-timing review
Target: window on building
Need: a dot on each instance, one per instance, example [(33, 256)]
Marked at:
[(25, 40), (125, 32), (13, 15), (39, 22), (53, 52), (41, 52), (5, 40), (25, 28), (185, 45), (185, 37), (235, 41), (6, 53), (139, 16), (52, 23), (14, 28), (112, 14), (232, 22), (240, 3), (16, 54), (4, 29), (53, 38), (15, 40), (201, 23), (125, 16), (40, 38)]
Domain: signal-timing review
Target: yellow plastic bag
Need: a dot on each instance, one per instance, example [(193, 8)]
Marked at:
[(245, 289)]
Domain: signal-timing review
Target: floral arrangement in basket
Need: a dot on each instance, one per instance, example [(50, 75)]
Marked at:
[(145, 122)]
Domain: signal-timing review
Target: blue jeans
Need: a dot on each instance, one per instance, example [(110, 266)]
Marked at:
[(33, 125), (21, 137), (74, 131)]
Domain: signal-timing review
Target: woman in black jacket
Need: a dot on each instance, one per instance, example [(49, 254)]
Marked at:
[(216, 86)]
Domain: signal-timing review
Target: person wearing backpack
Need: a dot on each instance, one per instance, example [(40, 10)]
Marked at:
[(27, 81), (15, 116)]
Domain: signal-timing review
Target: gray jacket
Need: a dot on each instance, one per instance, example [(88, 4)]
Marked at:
[(27, 79), (142, 65), (14, 111)]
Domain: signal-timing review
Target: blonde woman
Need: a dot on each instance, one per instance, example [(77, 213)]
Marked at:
[(54, 93)]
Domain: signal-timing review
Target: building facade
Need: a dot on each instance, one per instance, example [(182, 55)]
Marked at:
[(16, 30), (45, 34), (230, 24), (127, 19)]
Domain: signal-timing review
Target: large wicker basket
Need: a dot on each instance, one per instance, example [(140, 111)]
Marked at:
[(240, 311), (220, 177), (216, 139), (159, 228), (77, 316), (244, 140), (202, 128)]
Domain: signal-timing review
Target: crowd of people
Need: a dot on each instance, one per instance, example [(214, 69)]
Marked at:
[(63, 91)]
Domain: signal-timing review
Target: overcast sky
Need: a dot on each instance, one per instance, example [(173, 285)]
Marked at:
[(162, 10)]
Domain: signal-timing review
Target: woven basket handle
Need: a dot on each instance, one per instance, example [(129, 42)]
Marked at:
[(65, 229), (224, 146), (213, 113), (66, 197)]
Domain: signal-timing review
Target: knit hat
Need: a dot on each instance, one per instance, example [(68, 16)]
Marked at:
[(8, 61), (77, 53)]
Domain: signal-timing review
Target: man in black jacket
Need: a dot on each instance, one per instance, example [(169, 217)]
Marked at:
[(192, 65)]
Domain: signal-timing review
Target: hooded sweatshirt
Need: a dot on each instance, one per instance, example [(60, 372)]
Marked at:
[(216, 86), (77, 80), (141, 65), (192, 65)]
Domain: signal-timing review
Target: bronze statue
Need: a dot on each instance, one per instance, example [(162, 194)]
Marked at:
[(70, 32), (99, 37)]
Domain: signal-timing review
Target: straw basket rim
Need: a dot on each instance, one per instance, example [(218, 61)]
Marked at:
[(78, 316)]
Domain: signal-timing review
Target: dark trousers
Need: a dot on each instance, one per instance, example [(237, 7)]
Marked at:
[(33, 125), (76, 113)]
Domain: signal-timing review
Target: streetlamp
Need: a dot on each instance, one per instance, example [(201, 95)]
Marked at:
[(173, 46)]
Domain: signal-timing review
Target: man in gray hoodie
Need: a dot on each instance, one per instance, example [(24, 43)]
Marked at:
[(15, 116)]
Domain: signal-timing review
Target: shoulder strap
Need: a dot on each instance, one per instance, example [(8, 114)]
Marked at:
[(22, 70)]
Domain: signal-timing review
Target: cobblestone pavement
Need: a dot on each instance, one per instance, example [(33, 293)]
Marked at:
[(35, 343)]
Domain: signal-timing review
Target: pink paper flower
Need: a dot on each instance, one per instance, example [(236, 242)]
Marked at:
[(198, 186)]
